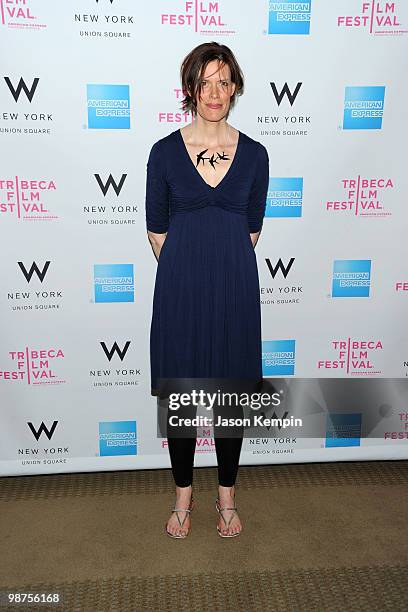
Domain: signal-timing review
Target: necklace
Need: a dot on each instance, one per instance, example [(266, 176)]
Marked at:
[(216, 157), (213, 159)]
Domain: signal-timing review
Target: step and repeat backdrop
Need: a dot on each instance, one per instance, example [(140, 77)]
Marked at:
[(86, 88)]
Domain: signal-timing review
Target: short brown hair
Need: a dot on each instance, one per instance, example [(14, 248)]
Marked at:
[(194, 65)]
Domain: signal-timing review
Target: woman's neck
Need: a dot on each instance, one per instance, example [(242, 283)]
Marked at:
[(209, 133)]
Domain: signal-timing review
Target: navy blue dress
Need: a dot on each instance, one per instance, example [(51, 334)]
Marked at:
[(206, 319)]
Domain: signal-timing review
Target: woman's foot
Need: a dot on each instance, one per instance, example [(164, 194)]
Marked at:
[(229, 523), (178, 524)]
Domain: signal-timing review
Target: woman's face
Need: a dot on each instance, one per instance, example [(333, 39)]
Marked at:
[(214, 96)]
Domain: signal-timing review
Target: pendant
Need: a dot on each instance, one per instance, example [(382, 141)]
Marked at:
[(213, 159)]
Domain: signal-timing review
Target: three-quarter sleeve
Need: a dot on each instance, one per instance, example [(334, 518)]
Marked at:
[(259, 191), (157, 192)]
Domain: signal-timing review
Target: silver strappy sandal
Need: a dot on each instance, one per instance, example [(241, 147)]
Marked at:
[(227, 523), (181, 523)]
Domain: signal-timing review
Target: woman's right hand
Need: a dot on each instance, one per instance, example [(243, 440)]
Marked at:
[(156, 241)]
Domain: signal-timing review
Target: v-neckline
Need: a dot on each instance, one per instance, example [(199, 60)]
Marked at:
[(233, 163)]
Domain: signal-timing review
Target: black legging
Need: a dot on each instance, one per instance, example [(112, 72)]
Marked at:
[(228, 449)]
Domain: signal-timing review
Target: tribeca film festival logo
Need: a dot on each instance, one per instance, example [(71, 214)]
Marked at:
[(26, 199), (285, 197), (385, 411), (37, 297), (34, 366), (401, 286), (51, 454), (117, 438), (288, 17), (205, 442), (376, 17), (175, 117), (280, 293), (293, 124), (363, 108), (363, 197), (114, 283), (35, 117), (353, 357), (116, 376), (118, 213), (106, 22), (108, 107), (351, 278), (200, 17), (20, 14), (343, 429), (278, 357)]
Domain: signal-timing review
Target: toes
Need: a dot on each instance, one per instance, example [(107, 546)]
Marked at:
[(177, 531)]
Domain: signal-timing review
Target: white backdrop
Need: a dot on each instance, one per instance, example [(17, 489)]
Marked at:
[(72, 185)]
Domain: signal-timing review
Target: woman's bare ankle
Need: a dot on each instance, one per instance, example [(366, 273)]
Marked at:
[(226, 491), (184, 492)]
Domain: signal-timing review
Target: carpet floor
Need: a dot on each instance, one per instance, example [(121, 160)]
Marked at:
[(317, 537)]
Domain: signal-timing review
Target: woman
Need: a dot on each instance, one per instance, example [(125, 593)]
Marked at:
[(205, 201)]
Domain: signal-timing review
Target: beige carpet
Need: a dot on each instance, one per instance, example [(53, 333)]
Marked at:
[(322, 536)]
